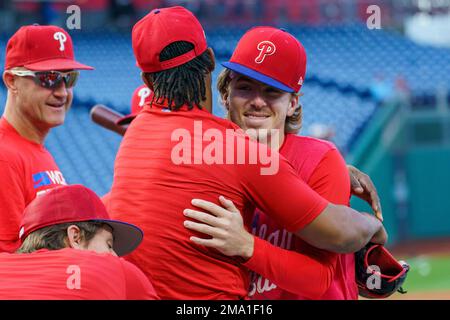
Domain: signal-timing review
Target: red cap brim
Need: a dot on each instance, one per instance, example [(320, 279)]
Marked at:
[(57, 64)]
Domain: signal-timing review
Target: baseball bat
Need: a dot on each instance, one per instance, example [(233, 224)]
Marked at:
[(106, 117)]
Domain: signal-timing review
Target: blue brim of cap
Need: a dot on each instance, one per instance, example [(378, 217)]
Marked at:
[(256, 76)]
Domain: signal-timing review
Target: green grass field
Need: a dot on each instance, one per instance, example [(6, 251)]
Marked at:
[(428, 273)]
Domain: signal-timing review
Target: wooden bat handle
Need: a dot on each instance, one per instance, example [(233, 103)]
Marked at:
[(107, 118)]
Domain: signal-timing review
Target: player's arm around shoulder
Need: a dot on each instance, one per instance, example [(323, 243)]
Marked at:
[(331, 180), (324, 225), (138, 286), (228, 235)]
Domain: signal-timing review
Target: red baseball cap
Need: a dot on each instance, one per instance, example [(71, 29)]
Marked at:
[(41, 48), (162, 27), (141, 96), (76, 203), (271, 56)]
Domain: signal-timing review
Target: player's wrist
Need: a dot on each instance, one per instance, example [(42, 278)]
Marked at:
[(248, 247)]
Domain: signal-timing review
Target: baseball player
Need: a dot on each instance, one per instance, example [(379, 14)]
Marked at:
[(116, 121), (40, 72), (141, 96), (258, 94), (165, 160), (69, 249)]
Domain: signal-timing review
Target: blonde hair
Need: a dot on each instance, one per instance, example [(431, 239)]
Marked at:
[(293, 123), (55, 237)]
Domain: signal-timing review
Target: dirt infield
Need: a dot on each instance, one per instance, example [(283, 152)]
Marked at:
[(436, 246), (425, 295)]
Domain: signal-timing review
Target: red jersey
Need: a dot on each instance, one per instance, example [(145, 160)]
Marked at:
[(26, 169), (320, 164), (152, 187), (70, 274)]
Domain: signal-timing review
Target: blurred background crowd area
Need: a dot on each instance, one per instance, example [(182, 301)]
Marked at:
[(381, 94), (122, 13)]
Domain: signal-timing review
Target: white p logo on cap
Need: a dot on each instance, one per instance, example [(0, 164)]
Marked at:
[(266, 48), (61, 37), (143, 94)]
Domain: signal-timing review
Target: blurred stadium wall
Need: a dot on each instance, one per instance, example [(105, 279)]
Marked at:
[(407, 153)]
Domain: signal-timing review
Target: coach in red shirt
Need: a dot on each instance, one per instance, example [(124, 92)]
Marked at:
[(176, 150), (69, 248), (40, 72)]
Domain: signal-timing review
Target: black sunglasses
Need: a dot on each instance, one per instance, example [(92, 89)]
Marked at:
[(50, 79)]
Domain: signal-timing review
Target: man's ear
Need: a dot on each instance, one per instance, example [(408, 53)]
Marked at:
[(74, 237), (213, 58), (225, 100), (10, 82), (147, 81), (293, 104)]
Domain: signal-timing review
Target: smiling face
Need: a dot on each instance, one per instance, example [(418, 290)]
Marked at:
[(44, 108), (255, 105)]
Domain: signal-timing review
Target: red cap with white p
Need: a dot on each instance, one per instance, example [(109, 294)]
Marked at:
[(141, 96), (41, 48), (271, 56)]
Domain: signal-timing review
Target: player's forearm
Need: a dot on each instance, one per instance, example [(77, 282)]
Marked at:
[(361, 228), (341, 229), (292, 271)]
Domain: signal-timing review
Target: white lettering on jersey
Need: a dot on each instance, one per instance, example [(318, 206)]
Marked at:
[(56, 177)]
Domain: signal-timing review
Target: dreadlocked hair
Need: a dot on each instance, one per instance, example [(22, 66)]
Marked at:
[(184, 84)]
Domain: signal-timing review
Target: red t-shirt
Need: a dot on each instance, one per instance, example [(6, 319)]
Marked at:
[(152, 187), (70, 274), (320, 164), (26, 169)]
